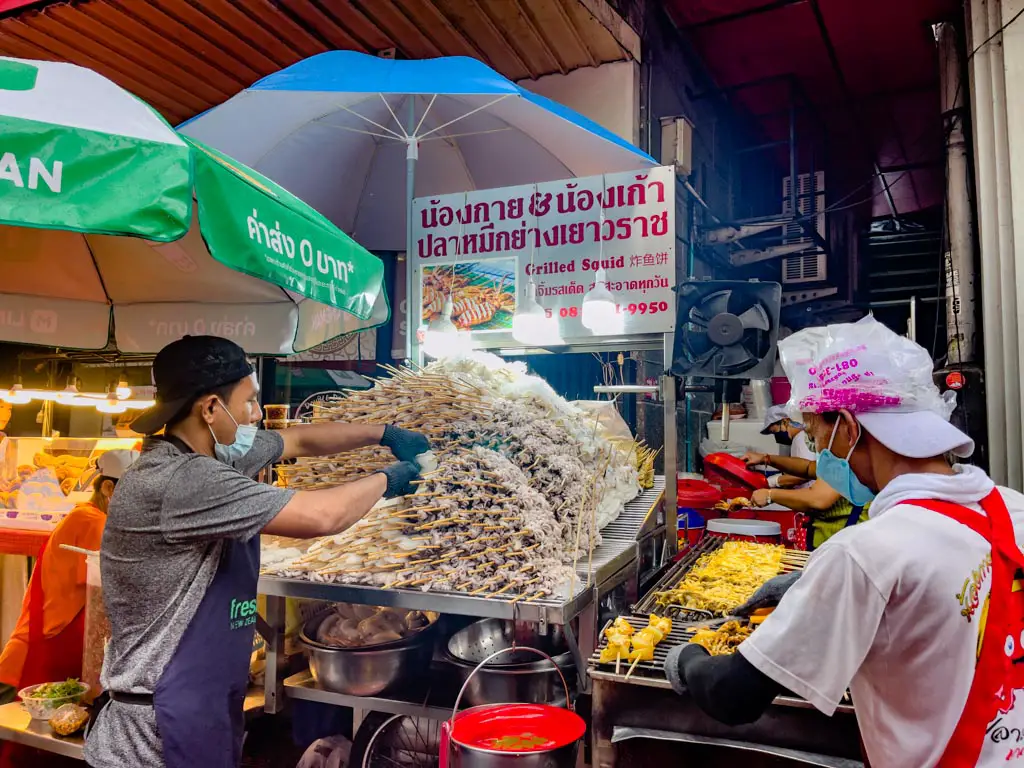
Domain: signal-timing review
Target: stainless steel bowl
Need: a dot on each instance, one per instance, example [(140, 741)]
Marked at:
[(369, 671), (474, 643), (533, 681)]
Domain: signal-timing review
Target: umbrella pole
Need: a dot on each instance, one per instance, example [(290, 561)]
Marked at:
[(412, 300)]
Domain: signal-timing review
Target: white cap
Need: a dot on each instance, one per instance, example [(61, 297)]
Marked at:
[(773, 416), (115, 463), (883, 378)]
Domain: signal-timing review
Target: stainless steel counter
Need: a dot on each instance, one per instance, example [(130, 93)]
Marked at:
[(613, 561)]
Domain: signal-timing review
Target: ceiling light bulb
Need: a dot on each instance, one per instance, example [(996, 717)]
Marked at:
[(532, 325), (123, 391), (601, 315), (442, 338), (111, 406)]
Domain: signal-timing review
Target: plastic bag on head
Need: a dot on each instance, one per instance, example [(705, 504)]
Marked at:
[(861, 367)]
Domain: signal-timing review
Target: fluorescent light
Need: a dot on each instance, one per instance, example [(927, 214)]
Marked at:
[(601, 316), (123, 391), (532, 325), (16, 395), (138, 405), (111, 406)]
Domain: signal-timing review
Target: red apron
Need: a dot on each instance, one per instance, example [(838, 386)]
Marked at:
[(48, 660), (985, 731)]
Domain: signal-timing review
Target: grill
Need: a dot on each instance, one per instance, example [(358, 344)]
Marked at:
[(675, 576), (654, 669)]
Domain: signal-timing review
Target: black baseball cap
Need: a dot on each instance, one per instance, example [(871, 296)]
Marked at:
[(186, 369)]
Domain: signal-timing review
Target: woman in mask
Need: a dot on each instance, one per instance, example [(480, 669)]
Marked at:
[(798, 487), (920, 611), (181, 553)]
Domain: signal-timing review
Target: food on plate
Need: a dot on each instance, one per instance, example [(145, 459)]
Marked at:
[(70, 687), (68, 719), (359, 626), (725, 578), (724, 640)]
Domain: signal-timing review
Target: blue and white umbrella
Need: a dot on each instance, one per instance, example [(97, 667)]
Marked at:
[(358, 136)]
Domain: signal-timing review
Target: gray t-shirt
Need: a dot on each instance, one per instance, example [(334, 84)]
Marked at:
[(166, 526)]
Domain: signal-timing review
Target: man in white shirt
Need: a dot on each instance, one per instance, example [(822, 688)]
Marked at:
[(896, 608)]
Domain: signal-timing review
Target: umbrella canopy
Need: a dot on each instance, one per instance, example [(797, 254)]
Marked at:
[(98, 226), (338, 128)]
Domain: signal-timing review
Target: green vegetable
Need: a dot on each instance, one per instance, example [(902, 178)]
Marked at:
[(70, 687)]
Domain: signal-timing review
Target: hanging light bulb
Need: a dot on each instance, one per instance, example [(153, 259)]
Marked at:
[(16, 395), (600, 313), (112, 405), (123, 391), (532, 325), (69, 395), (443, 338)]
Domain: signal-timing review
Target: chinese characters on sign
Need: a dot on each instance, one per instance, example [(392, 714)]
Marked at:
[(482, 248)]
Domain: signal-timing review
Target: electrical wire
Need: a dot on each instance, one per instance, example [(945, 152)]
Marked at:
[(993, 36)]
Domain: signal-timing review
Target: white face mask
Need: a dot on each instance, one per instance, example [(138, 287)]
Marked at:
[(245, 436)]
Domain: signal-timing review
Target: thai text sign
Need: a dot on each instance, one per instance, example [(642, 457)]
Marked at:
[(483, 248)]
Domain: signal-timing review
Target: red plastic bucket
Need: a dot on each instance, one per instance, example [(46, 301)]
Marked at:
[(519, 734), (762, 531), (788, 523)]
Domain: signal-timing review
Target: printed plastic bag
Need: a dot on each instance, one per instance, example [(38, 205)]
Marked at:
[(860, 366)]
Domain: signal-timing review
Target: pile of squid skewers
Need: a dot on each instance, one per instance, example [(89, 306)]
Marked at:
[(475, 528)]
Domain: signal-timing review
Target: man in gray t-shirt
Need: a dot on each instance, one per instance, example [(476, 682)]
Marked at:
[(180, 554)]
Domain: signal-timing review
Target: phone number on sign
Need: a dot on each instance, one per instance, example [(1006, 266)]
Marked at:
[(642, 308)]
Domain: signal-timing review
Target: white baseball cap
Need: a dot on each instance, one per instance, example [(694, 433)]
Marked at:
[(773, 416), (883, 378), (115, 463)]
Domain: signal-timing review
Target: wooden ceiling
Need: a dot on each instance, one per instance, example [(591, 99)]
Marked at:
[(185, 56)]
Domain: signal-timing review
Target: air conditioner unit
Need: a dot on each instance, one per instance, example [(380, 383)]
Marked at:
[(805, 268), (807, 205), (677, 144)]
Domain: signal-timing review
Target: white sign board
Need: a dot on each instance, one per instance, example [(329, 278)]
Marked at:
[(483, 247)]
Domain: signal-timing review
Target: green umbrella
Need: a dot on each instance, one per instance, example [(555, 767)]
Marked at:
[(83, 164)]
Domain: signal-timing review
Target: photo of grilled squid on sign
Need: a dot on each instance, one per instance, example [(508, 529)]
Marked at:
[(483, 294)]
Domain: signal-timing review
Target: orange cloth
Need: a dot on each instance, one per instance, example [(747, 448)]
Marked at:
[(63, 582)]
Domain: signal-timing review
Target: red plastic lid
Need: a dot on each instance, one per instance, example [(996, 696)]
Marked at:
[(517, 728), (697, 494), (734, 468)]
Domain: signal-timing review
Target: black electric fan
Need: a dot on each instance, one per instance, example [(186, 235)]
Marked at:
[(726, 329)]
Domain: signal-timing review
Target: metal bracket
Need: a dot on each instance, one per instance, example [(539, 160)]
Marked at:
[(789, 298), (752, 255)]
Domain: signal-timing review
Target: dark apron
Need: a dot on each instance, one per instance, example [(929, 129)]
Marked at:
[(199, 698)]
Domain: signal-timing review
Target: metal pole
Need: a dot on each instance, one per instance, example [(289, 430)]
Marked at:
[(912, 320), (794, 211), (668, 398), (412, 271)]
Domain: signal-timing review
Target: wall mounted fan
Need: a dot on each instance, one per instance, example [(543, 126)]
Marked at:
[(726, 329)]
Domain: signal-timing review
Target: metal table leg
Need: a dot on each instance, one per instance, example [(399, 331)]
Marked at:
[(273, 634)]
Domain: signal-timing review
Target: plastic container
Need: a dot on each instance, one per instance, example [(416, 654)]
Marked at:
[(788, 522), (695, 501), (762, 531), (730, 475), (781, 390), (43, 709), (97, 628)]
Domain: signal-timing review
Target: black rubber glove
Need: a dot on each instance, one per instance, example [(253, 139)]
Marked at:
[(400, 476), (404, 443), (675, 664), (769, 594)]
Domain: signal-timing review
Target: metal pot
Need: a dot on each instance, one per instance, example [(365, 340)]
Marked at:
[(457, 752), (520, 676), (366, 671), (538, 682), (465, 756)]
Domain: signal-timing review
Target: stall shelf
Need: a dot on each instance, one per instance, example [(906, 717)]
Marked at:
[(17, 726), (614, 562)]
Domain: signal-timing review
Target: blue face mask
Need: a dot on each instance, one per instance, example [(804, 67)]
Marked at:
[(838, 473), (245, 436)]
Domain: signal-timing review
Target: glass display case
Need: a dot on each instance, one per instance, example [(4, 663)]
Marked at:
[(41, 479)]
